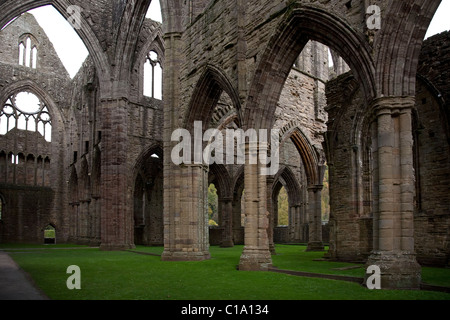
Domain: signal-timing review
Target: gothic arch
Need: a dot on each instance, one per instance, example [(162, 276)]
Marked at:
[(399, 42), (57, 119), (32, 87), (238, 181), (11, 9), (140, 161), (308, 153), (212, 83), (291, 184), (220, 177), (301, 24), (146, 197), (444, 112), (131, 23)]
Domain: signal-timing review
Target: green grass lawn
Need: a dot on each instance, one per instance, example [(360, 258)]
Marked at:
[(127, 275)]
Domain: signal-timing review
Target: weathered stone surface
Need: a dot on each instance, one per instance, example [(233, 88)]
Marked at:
[(237, 64)]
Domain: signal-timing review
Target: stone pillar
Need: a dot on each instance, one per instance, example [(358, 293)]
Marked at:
[(296, 223), (186, 230), (226, 205), (315, 218), (116, 218), (394, 237), (270, 210), (256, 254)]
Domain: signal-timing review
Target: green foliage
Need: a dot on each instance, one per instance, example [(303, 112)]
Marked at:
[(213, 205), (49, 232), (123, 275), (283, 208)]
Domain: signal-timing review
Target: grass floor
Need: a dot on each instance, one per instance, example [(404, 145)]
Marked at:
[(126, 275)]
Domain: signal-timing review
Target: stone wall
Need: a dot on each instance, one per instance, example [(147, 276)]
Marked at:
[(432, 162), (347, 242), (34, 189)]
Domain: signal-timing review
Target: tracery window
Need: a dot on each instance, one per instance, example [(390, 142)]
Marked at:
[(28, 51), (25, 111), (153, 76)]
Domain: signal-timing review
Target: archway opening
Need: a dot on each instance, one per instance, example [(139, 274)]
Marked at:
[(50, 234), (148, 201)]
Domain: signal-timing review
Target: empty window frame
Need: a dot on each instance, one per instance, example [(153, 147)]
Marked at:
[(153, 76), (25, 111), (28, 52)]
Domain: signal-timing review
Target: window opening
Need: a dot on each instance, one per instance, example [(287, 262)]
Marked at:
[(25, 111), (21, 54), (153, 76)]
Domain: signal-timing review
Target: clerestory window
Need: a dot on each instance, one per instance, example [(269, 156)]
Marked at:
[(28, 52), (153, 76)]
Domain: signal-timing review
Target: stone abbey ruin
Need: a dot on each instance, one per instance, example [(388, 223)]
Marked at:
[(90, 161)]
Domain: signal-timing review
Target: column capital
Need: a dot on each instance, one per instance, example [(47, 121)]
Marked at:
[(392, 105), (195, 165)]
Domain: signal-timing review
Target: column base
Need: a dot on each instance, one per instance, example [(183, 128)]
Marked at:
[(315, 246), (185, 256), (255, 259), (272, 249), (399, 270)]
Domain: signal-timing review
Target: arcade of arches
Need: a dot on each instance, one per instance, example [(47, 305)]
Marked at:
[(367, 108)]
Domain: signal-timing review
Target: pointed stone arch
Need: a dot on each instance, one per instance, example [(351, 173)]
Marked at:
[(32, 87), (291, 184), (311, 158), (399, 42), (12, 9), (146, 196), (211, 84), (300, 24)]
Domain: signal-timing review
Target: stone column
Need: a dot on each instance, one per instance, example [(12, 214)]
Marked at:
[(116, 218), (315, 218), (256, 254), (186, 231), (226, 205), (296, 224), (393, 241), (270, 210)]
